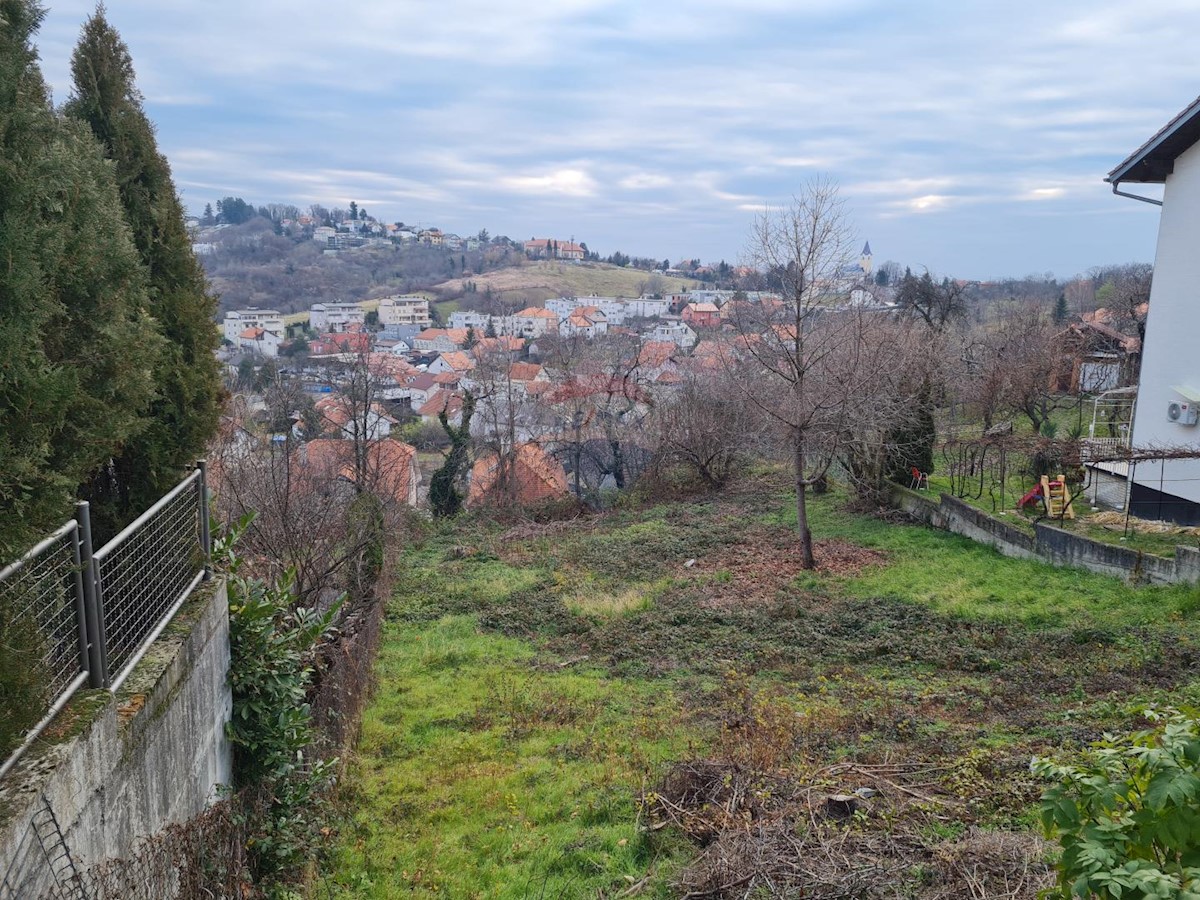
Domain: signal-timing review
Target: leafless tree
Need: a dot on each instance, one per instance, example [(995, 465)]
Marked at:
[(937, 303), (707, 424), (1125, 290), (1008, 368), (802, 363), (602, 400), (301, 513), (891, 416), (506, 417)]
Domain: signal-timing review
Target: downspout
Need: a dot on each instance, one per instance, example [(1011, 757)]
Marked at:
[(1120, 193)]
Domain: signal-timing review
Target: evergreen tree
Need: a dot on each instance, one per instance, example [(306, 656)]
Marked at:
[(208, 218), (183, 416), (76, 341), (1060, 309)]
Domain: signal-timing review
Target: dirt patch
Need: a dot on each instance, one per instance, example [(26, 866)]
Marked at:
[(836, 557), (758, 569)]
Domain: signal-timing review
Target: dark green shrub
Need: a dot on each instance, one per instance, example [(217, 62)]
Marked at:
[(24, 683)]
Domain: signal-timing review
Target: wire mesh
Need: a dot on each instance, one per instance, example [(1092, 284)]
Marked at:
[(39, 632), (145, 570)]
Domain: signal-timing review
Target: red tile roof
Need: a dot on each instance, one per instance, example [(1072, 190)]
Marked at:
[(536, 477), (389, 465)]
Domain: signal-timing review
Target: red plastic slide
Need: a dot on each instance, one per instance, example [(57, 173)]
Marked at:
[(1034, 494)]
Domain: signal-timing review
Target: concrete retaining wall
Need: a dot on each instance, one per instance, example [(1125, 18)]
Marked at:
[(1050, 544), (116, 768)]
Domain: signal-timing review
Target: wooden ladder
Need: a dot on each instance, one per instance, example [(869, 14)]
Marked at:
[(1058, 498)]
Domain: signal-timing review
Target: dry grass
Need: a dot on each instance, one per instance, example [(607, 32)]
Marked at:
[(1141, 526), (591, 599), (772, 818), (540, 281)]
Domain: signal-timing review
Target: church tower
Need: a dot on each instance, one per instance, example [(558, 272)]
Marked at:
[(864, 261)]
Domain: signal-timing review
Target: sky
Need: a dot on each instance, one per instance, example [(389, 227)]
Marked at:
[(969, 139)]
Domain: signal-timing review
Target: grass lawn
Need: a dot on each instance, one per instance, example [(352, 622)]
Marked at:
[(539, 281), (1106, 527), (571, 710)]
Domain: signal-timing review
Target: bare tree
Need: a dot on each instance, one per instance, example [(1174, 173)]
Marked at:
[(890, 426), (707, 425), (506, 417), (302, 513), (801, 359), (602, 400), (1008, 367), (1125, 290), (936, 303)]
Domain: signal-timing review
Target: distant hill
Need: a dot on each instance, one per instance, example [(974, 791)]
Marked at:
[(252, 265), (540, 281)]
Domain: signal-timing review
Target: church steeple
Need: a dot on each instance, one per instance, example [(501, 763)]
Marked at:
[(864, 260)]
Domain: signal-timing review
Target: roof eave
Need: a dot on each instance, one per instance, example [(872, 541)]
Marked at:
[(1152, 162)]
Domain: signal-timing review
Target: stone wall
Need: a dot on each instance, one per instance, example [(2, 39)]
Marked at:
[(115, 768), (1050, 544)]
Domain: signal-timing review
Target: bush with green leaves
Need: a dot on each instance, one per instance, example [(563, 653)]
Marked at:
[(1128, 815), (271, 647)]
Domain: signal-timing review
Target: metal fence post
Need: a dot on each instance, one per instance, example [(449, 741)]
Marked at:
[(93, 604), (205, 527), (81, 617)]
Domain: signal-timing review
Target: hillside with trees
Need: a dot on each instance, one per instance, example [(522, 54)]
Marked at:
[(260, 263)]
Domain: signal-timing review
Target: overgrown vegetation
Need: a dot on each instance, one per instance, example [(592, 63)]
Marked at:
[(24, 682), (271, 666), (445, 494), (661, 700), (1128, 815)]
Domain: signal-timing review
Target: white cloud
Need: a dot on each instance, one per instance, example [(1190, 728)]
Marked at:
[(706, 111), (560, 183)]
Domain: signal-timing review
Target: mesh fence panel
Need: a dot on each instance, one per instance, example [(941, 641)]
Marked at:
[(39, 633), (143, 573)]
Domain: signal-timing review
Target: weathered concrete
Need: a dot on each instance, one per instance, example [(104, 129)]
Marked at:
[(1049, 544), (118, 768)]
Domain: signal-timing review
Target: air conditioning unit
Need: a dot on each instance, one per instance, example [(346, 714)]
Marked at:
[(1182, 413)]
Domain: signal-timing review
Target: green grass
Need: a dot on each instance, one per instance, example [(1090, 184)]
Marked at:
[(993, 502), (530, 688), (956, 576), (481, 774)]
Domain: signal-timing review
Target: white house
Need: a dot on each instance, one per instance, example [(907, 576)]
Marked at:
[(335, 316), (1168, 396), (531, 322), (678, 333), (406, 309), (259, 341), (587, 321), (470, 319), (647, 307), (239, 320)]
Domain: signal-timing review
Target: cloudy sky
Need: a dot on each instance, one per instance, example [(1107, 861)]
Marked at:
[(969, 138)]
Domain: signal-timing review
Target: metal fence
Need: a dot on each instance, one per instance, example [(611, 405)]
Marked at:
[(70, 616)]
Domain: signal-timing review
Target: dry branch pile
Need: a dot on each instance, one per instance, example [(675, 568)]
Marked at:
[(843, 831)]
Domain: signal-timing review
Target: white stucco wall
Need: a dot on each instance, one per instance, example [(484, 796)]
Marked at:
[(1171, 355)]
